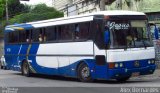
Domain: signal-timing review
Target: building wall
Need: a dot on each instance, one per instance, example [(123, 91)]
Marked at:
[(137, 5), (80, 6), (60, 4), (87, 6)]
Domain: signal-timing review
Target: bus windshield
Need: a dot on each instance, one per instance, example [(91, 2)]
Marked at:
[(129, 34)]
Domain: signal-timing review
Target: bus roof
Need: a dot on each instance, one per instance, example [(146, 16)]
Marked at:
[(68, 20)]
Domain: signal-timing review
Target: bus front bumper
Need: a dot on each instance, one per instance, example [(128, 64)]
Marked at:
[(124, 72)]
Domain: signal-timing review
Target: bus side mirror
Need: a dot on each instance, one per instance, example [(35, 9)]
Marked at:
[(106, 37), (156, 33)]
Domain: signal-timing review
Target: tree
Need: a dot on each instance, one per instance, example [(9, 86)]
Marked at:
[(2, 8), (39, 12), (15, 7)]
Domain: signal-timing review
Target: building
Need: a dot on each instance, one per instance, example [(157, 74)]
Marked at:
[(76, 7), (150, 7)]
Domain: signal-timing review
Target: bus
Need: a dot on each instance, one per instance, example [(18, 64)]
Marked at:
[(103, 45)]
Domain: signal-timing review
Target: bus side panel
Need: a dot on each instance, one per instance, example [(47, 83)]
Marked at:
[(39, 58), (22, 54), (63, 56), (11, 55)]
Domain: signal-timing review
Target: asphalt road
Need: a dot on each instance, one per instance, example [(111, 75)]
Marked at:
[(15, 79), (14, 82)]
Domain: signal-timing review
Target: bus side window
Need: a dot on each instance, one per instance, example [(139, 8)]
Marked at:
[(40, 36), (82, 30), (27, 36), (13, 37), (77, 31), (51, 33), (35, 35), (65, 33), (22, 36)]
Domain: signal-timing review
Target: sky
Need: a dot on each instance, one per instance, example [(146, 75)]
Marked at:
[(34, 2)]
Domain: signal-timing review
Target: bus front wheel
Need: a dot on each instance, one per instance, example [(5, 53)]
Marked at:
[(84, 74), (25, 69)]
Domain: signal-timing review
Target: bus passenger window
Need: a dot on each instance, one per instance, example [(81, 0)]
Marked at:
[(82, 30), (65, 33), (22, 36), (76, 31), (50, 34), (40, 38), (13, 37), (35, 35), (41, 35), (27, 36)]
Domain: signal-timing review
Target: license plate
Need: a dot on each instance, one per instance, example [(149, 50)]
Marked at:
[(135, 74)]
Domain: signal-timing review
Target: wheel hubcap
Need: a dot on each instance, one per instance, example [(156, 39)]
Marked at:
[(85, 72)]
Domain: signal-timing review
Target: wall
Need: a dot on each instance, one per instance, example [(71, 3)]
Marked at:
[(137, 5)]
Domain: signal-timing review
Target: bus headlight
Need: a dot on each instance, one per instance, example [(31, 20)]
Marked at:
[(121, 64), (116, 65)]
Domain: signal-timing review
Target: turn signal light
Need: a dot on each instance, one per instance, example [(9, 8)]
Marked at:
[(111, 65)]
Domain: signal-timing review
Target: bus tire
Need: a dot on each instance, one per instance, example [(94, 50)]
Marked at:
[(123, 79), (1, 67), (25, 69), (4, 67), (84, 74)]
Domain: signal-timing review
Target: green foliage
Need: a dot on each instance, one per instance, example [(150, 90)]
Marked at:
[(20, 13), (29, 17), (15, 7), (41, 8), (39, 12), (2, 7)]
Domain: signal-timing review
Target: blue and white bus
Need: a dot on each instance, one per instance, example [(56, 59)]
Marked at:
[(102, 45)]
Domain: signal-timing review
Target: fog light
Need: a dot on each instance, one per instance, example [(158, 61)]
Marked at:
[(121, 65), (116, 65), (152, 61)]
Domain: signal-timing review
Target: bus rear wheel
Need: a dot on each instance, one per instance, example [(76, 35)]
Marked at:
[(25, 69), (84, 74)]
